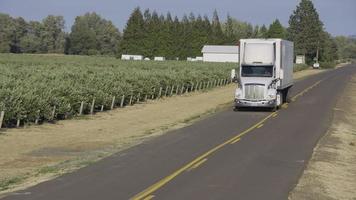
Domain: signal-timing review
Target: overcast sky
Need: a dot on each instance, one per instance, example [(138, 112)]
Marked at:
[(339, 16)]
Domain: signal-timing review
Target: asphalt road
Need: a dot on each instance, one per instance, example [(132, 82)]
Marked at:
[(229, 155)]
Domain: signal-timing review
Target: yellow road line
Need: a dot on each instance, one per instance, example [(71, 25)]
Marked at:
[(306, 90), (149, 197), (237, 139), (146, 193), (259, 126), (196, 165), (165, 180), (285, 105)]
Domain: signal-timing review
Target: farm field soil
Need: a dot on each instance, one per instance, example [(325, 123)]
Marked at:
[(37, 153), (331, 172)]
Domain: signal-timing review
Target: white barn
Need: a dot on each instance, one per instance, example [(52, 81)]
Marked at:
[(220, 53)]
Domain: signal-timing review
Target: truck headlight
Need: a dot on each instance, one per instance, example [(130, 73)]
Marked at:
[(271, 94), (238, 93)]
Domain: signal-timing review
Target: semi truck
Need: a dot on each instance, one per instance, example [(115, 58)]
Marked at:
[(265, 73)]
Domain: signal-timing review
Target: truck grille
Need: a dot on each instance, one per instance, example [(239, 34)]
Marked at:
[(254, 91)]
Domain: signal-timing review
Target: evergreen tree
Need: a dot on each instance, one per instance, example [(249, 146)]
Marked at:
[(276, 30), (186, 38), (263, 32), (256, 32), (217, 35), (133, 35), (229, 31), (178, 39), (305, 29)]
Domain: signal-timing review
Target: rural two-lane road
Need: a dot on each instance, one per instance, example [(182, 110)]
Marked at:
[(229, 155)]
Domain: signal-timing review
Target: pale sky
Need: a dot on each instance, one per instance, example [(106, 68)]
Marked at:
[(339, 16)]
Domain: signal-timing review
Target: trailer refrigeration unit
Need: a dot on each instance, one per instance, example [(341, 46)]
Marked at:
[(265, 75)]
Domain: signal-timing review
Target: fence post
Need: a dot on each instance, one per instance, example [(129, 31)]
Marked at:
[(37, 117), (92, 106), (2, 114), (138, 97), (130, 102), (122, 101), (166, 91), (81, 108), (153, 94), (182, 89), (159, 93), (112, 103), (172, 88), (186, 90), (53, 112)]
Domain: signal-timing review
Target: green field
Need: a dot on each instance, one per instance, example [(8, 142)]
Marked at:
[(32, 86)]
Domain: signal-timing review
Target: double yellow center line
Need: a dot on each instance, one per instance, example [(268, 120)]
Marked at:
[(147, 193)]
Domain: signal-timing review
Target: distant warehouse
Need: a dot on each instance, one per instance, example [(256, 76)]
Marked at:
[(220, 53)]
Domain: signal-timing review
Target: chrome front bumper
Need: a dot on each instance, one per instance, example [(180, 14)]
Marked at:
[(246, 103)]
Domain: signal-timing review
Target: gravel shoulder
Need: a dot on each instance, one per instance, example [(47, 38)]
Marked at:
[(331, 172), (37, 153)]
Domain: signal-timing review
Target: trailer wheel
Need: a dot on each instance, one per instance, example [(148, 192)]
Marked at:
[(288, 95)]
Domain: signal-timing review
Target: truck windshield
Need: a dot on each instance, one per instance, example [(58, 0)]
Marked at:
[(257, 71)]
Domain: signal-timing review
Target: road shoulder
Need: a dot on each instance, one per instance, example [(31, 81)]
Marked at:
[(331, 172)]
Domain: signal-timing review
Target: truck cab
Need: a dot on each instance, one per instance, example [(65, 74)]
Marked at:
[(265, 73)]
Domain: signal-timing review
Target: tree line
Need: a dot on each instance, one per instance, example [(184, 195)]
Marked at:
[(151, 34)]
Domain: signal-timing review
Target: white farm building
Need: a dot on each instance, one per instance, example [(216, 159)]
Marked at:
[(220, 53)]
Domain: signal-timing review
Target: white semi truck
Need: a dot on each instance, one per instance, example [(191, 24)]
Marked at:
[(265, 75)]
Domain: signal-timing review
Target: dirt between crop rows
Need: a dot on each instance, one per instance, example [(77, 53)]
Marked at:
[(37, 153), (331, 173)]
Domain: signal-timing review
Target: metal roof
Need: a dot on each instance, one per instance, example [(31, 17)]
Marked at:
[(220, 49)]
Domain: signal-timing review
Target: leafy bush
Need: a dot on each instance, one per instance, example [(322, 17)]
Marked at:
[(300, 67), (327, 65)]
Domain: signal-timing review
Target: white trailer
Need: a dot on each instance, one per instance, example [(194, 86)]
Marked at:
[(265, 74), (159, 58), (131, 57)]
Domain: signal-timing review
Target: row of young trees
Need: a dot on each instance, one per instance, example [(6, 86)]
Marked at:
[(19, 36), (90, 35), (150, 34)]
